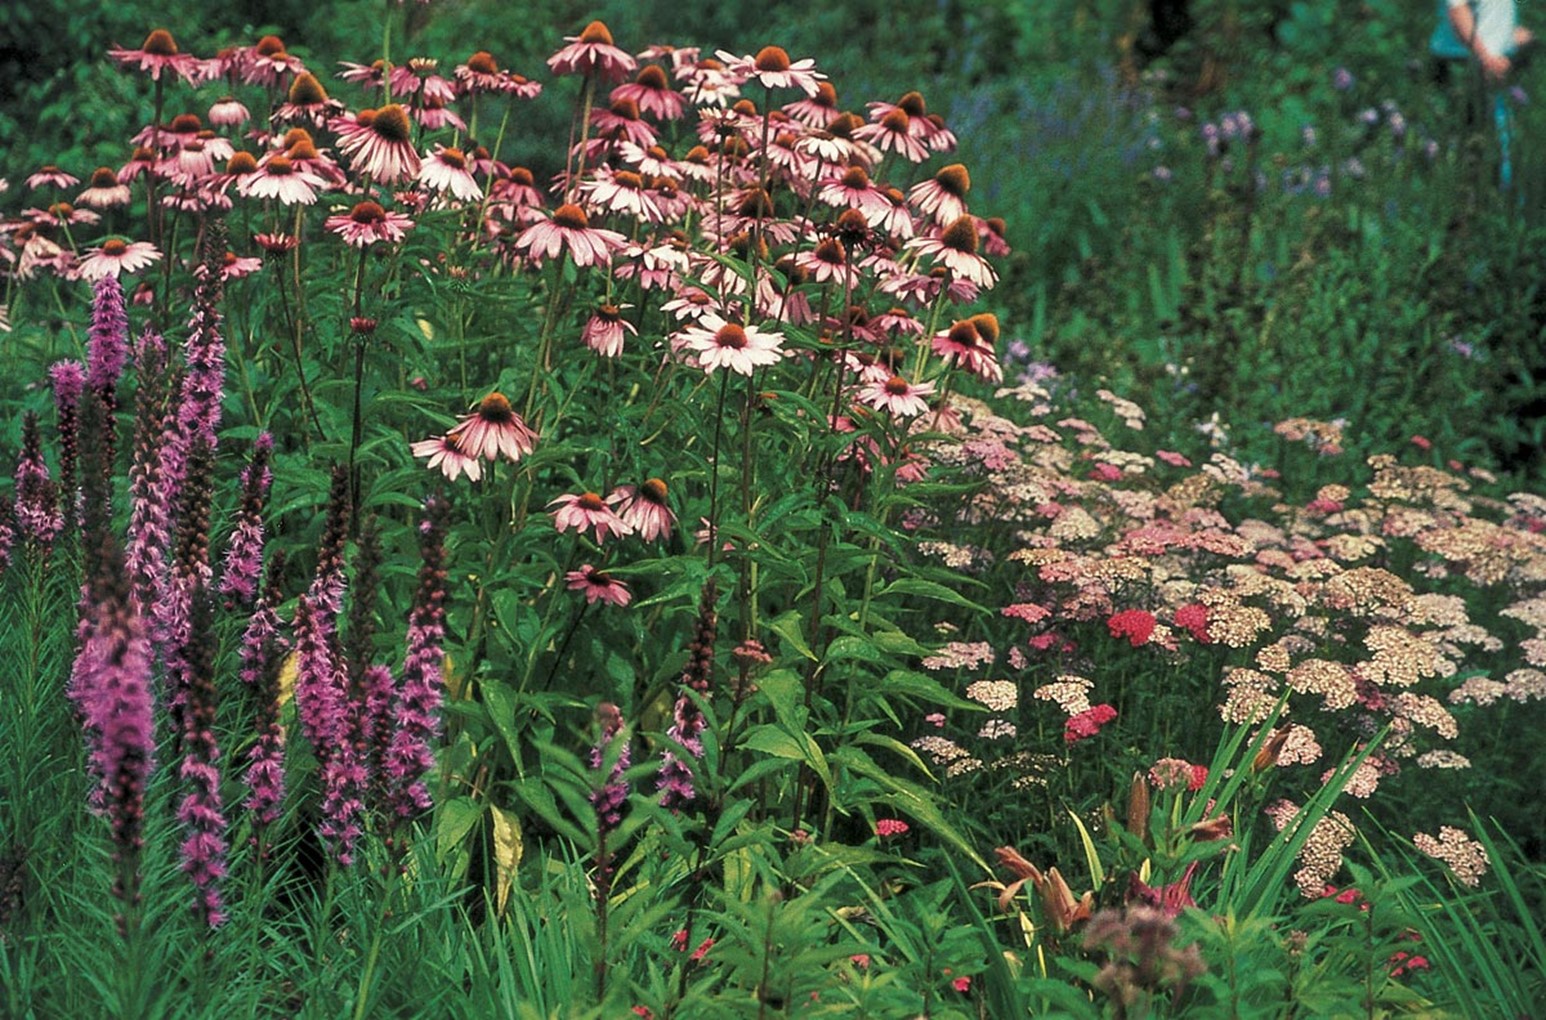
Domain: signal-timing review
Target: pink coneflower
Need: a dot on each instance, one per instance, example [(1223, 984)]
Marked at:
[(592, 50), (445, 453), (645, 509), (158, 53), (308, 101), (104, 191), (267, 62), (276, 243), (445, 169), (598, 586), (709, 84), (234, 266), (721, 344), (621, 191), (817, 110), (379, 143), (142, 160), (278, 177), (116, 256), (892, 134), (651, 92), (494, 429), (304, 156), (620, 123), (368, 223), (433, 114), (955, 248), (854, 190), (772, 69), (482, 73), (691, 304), (50, 176), (418, 79), (229, 112), (569, 228), (897, 395), (825, 263), (604, 330), (61, 214), (963, 344), (943, 196), (370, 76), (588, 511)]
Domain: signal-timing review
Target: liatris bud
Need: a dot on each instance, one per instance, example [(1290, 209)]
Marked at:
[(38, 520), (69, 379), (202, 813), (152, 506), (112, 684), (321, 679), (612, 792), (244, 551), (415, 711)]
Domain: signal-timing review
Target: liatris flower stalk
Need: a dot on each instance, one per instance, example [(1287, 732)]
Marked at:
[(69, 380), (262, 654), (7, 533), (38, 521), (107, 351), (244, 551), (364, 592), (190, 576), (676, 776), (319, 688), (609, 758), (151, 505), (112, 684), (415, 710), (204, 381), (202, 812)]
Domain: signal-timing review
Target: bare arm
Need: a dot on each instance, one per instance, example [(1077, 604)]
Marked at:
[(1463, 20)]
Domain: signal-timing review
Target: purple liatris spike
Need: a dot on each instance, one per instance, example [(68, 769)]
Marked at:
[(152, 507), (611, 792), (202, 813), (416, 709), (262, 655), (244, 551), (112, 687), (38, 520), (676, 780), (7, 533), (204, 378), (107, 348), (189, 579), (69, 381)]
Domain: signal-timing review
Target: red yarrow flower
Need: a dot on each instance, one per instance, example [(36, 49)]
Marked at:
[(1193, 618), (1137, 625), (1087, 723)]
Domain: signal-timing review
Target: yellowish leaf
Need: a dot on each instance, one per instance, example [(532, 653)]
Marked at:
[(508, 848), (288, 671)]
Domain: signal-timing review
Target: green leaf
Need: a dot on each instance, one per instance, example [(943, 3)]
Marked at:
[(789, 626), (453, 822), (929, 590)]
